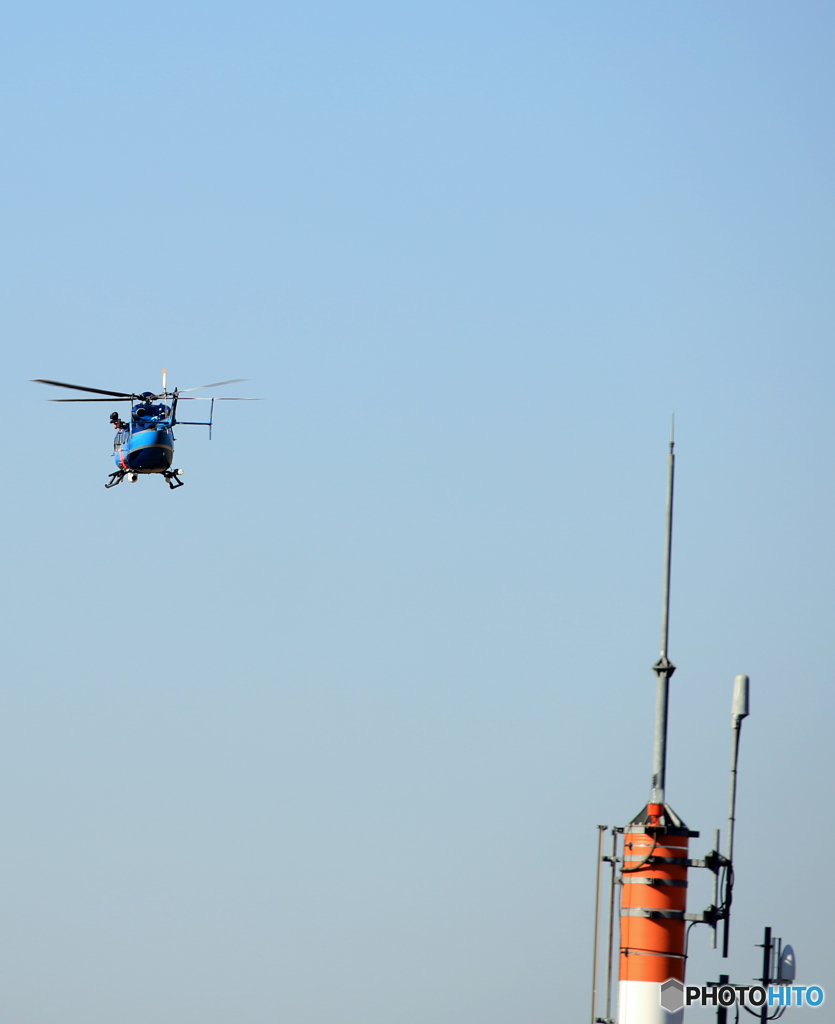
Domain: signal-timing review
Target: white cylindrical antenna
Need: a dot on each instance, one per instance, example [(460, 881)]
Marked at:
[(740, 708), (741, 703), (664, 668), (164, 377)]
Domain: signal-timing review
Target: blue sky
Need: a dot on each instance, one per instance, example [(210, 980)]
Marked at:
[(324, 737)]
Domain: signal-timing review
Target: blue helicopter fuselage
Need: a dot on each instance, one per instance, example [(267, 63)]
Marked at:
[(146, 443)]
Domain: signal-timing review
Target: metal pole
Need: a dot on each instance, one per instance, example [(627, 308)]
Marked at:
[(722, 1011), (664, 668), (668, 549), (766, 971), (601, 830), (715, 887), (734, 771), (735, 754), (614, 859), (740, 709)]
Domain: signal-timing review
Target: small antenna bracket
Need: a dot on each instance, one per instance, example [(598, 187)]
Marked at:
[(663, 667)]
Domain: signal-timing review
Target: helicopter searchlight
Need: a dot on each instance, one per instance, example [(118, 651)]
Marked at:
[(144, 443)]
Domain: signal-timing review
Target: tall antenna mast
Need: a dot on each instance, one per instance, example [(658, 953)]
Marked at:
[(664, 668), (655, 862)]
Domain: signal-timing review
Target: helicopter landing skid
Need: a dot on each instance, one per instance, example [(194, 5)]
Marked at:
[(172, 478), (116, 478)]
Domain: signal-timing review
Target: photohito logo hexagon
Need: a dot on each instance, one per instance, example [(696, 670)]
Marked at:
[(672, 995)]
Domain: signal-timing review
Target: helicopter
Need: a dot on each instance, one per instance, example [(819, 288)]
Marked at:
[(145, 443)]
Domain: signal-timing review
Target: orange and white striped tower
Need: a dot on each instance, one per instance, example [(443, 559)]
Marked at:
[(655, 859)]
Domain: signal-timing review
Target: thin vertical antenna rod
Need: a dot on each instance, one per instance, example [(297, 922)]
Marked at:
[(715, 885), (664, 668), (740, 709), (601, 832), (768, 945), (614, 859), (668, 543)]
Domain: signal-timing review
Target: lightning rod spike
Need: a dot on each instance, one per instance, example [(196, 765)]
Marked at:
[(664, 668)]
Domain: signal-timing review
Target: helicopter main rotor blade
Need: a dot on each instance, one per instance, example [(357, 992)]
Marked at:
[(77, 387), (188, 398), (90, 399), (220, 383)]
